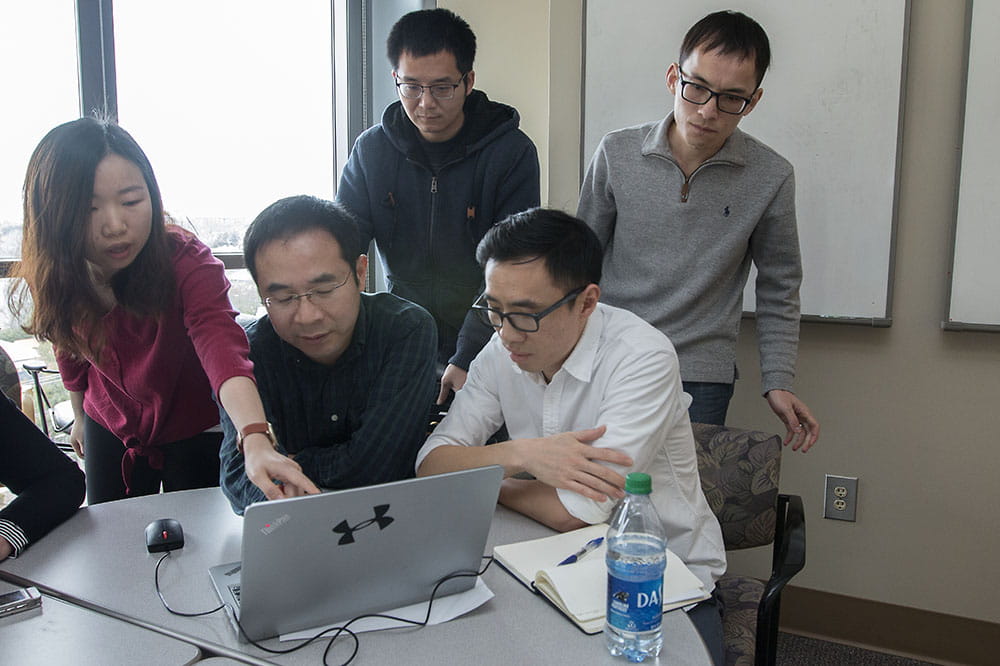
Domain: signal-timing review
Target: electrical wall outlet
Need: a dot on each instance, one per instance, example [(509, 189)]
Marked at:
[(840, 501)]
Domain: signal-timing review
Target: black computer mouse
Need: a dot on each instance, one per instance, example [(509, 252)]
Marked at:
[(164, 534)]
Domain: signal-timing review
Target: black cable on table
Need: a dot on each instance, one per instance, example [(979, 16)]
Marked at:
[(339, 630)]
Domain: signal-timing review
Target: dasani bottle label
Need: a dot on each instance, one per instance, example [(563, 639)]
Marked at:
[(634, 605)]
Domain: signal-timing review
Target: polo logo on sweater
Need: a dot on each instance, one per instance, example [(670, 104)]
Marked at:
[(725, 213), (348, 530)]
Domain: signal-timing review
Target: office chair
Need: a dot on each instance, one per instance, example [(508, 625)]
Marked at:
[(58, 416), (739, 475)]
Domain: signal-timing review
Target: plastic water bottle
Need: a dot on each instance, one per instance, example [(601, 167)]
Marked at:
[(636, 545)]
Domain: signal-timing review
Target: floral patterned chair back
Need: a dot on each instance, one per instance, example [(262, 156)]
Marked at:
[(739, 474)]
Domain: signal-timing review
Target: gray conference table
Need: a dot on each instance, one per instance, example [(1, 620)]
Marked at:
[(61, 633), (98, 560)]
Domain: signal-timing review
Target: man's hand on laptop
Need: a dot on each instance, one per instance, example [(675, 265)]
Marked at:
[(568, 460), (277, 475)]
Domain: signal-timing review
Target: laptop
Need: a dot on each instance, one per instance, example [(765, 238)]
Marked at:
[(312, 560)]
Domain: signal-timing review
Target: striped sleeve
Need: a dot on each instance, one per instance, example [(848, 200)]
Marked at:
[(14, 535)]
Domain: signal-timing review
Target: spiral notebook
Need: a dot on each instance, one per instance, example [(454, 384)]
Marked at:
[(579, 590)]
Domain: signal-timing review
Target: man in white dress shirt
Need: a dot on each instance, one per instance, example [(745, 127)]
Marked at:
[(588, 392)]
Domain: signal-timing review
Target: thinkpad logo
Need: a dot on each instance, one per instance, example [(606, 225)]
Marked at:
[(347, 531)]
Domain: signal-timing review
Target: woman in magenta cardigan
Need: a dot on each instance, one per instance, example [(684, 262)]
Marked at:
[(139, 315)]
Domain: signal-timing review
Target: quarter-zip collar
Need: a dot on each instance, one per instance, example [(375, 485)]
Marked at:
[(657, 144)]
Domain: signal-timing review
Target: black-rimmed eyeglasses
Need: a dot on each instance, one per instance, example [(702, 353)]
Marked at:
[(438, 90), (699, 94), (526, 322)]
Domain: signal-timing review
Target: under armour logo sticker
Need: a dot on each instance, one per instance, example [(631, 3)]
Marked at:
[(725, 213), (348, 531)]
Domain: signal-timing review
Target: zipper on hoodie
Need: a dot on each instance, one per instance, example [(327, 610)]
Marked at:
[(433, 216), (685, 189), (430, 237)]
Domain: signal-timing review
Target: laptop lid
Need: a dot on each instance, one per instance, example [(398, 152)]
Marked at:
[(312, 560)]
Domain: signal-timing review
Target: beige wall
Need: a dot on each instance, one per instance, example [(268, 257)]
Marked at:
[(528, 55), (912, 410)]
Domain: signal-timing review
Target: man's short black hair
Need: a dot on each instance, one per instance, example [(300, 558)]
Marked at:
[(570, 248), (731, 33), (291, 216), (429, 31)]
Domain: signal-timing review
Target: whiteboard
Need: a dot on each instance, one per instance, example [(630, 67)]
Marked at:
[(974, 300), (832, 106)]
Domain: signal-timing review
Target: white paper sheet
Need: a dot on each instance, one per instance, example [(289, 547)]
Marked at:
[(444, 609)]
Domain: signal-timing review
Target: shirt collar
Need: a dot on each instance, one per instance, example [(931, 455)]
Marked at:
[(360, 335), (733, 151), (580, 362)]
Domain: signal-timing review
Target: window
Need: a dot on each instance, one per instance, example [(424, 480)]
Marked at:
[(39, 93), (232, 100), (234, 109)]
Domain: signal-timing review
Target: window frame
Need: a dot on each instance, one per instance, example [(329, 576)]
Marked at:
[(358, 31)]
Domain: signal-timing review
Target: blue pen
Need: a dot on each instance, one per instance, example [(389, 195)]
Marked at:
[(588, 547)]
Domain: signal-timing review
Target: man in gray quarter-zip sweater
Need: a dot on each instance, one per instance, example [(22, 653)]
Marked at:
[(683, 205)]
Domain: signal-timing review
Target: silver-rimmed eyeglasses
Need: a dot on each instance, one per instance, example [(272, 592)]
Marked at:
[(526, 322), (318, 296), (438, 90), (699, 94)]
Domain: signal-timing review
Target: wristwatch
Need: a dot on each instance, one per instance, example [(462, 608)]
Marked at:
[(262, 427)]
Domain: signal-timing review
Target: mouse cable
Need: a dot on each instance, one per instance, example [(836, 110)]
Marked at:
[(156, 584), (159, 593), (345, 628)]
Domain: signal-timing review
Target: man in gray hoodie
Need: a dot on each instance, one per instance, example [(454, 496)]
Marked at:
[(682, 207)]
